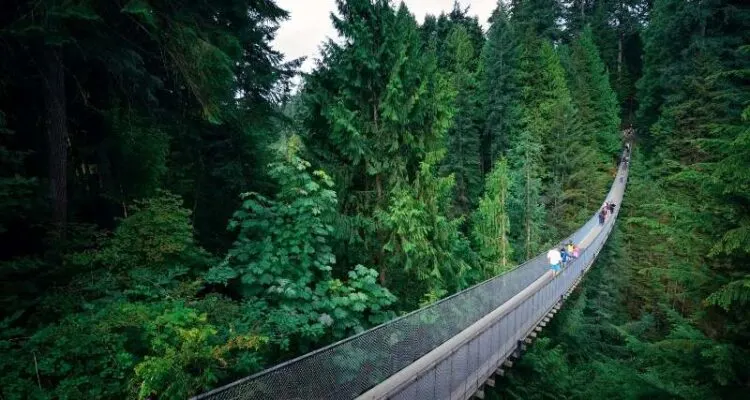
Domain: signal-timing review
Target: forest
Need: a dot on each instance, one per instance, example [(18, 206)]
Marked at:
[(176, 215)]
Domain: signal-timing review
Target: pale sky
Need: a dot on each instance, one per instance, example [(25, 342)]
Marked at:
[(309, 23)]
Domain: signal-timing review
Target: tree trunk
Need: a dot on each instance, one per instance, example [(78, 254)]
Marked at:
[(381, 239), (528, 208), (503, 250), (57, 133), (619, 57), (583, 14)]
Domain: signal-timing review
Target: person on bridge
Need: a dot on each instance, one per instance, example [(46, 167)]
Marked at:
[(576, 252), (602, 215), (564, 256), (555, 258), (611, 208), (569, 248)]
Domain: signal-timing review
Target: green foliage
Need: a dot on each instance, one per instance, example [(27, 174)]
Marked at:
[(282, 253), (491, 229), (546, 113), (130, 323), (500, 86), (378, 105), (148, 253), (595, 100), (463, 158), (428, 245), (540, 18)]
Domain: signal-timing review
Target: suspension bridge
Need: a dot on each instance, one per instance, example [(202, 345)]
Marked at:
[(450, 349)]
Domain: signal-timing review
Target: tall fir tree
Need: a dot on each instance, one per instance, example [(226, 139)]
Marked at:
[(501, 89), (596, 101), (540, 17), (557, 121), (377, 106), (491, 229), (463, 158)]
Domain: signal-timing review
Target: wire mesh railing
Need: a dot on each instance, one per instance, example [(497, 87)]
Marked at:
[(458, 370), (349, 368)]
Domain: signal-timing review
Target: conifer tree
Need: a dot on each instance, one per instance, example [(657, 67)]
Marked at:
[(429, 256), (378, 105), (500, 86), (463, 138), (595, 100), (671, 21), (596, 137), (556, 120), (491, 229), (437, 29), (540, 17), (527, 212)]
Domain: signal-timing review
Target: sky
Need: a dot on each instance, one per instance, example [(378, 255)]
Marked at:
[(309, 23)]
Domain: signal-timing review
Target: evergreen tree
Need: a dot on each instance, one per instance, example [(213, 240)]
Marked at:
[(377, 106), (616, 27), (438, 29), (595, 100), (500, 86), (463, 138), (526, 209), (670, 22), (554, 118), (538, 17), (540, 157), (491, 229), (596, 137), (426, 248)]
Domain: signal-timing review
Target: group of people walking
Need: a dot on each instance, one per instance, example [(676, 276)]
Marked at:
[(608, 208), (625, 159), (559, 258)]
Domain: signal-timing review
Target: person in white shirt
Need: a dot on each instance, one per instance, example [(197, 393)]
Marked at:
[(555, 258)]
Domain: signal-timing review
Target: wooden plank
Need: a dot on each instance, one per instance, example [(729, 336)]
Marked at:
[(538, 328), (490, 382), (479, 394), (508, 364), (500, 372)]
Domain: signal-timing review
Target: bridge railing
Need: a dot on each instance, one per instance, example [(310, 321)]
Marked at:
[(351, 367), (460, 366)]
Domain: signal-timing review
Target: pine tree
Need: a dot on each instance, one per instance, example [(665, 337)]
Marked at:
[(500, 87), (597, 134), (527, 211), (428, 255), (438, 29), (538, 17), (557, 122), (463, 138), (670, 22), (596, 101), (491, 229), (378, 105)]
